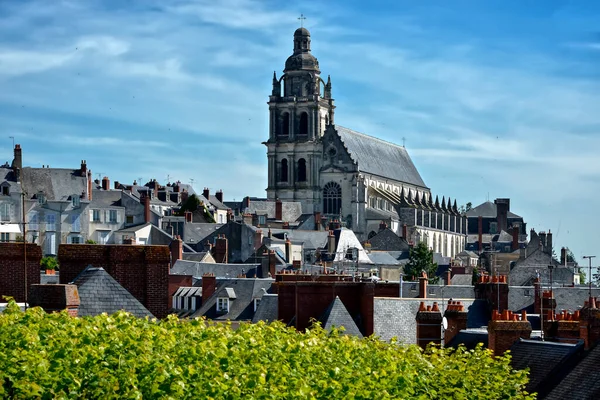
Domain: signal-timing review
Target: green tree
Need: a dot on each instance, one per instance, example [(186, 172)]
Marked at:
[(421, 259), (49, 263), (191, 204), (465, 207)]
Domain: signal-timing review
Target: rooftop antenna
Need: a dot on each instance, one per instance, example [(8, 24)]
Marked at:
[(192, 181), (99, 175), (168, 178), (140, 181), (13, 139), (301, 18)]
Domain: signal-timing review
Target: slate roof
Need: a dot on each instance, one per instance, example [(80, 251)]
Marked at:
[(241, 307), (267, 309), (106, 198), (379, 157), (290, 210), (197, 269), (337, 316), (382, 258), (582, 382), (488, 210), (525, 270), (462, 279), (373, 214), (548, 362), (388, 240), (469, 338), (101, 293), (55, 183), (194, 232), (567, 298)]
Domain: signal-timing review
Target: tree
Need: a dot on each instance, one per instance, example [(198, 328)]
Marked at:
[(191, 204), (49, 263), (421, 259), (465, 207)]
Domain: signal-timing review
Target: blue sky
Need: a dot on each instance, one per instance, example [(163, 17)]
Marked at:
[(494, 98)]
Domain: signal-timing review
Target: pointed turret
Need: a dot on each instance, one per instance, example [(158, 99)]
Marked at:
[(276, 86), (443, 205), (455, 208), (437, 203), (327, 91)]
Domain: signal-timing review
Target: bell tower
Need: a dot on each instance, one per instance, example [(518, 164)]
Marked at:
[(300, 108)]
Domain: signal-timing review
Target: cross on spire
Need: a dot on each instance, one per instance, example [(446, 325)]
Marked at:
[(302, 18)]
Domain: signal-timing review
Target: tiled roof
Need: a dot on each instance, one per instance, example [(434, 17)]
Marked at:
[(267, 309), (338, 316), (582, 382), (546, 361), (379, 157), (101, 293)]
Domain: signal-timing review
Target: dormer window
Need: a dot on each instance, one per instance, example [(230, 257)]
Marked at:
[(41, 198), (76, 201), (5, 190), (223, 304)]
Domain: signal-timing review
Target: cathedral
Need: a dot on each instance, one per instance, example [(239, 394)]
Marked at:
[(337, 173)]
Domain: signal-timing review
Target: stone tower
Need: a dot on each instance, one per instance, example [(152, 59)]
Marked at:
[(300, 108)]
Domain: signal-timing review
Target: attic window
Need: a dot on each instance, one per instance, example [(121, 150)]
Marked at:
[(5, 190), (431, 291), (413, 287), (41, 199), (223, 304), (76, 200)]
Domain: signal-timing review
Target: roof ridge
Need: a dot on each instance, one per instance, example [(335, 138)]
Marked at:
[(372, 137)]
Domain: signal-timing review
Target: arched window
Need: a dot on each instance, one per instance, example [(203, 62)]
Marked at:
[(302, 170), (285, 125), (303, 124), (284, 171), (332, 198)]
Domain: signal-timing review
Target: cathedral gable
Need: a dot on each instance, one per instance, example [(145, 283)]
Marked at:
[(335, 155)]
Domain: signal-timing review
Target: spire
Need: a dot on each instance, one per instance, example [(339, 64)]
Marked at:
[(327, 91), (331, 113), (444, 204), (455, 208), (276, 86), (437, 202)]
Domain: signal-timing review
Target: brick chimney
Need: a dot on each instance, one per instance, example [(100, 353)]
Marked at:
[(449, 277), (220, 251), (278, 210), (206, 193), (566, 327), (457, 320), (117, 185), (505, 329), (219, 195), (331, 243), (176, 247), (83, 169), (317, 221), (17, 164), (563, 256), (105, 183), (515, 238), (187, 215), (382, 226), (423, 285), (258, 239), (184, 196), (502, 209), (548, 248), (537, 300), (89, 185), (405, 232), (542, 236), (145, 200), (493, 289), (548, 305), (209, 286), (128, 240), (480, 233), (55, 298), (288, 251), (589, 323), (429, 325)]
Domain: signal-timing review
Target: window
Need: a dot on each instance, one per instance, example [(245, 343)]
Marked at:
[(284, 171), (129, 219), (5, 212), (262, 219), (4, 237), (302, 170), (285, 125), (256, 303), (50, 222), (332, 198), (41, 198), (5, 190), (303, 124), (76, 201), (103, 237), (95, 215), (76, 240), (75, 224), (493, 227), (223, 304), (112, 216)]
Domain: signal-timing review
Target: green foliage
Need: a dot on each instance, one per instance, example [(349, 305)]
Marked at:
[(49, 263), (90, 241), (582, 276), (120, 356), (191, 204), (421, 259)]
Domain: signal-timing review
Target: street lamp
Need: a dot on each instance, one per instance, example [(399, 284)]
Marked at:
[(590, 273)]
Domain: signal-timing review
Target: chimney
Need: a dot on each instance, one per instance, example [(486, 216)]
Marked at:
[(542, 236), (128, 240), (105, 183), (548, 305), (209, 286), (176, 187), (176, 247), (492, 289), (563, 256), (83, 169), (146, 202), (89, 184), (220, 251), (187, 215), (219, 195), (184, 196), (548, 247), (55, 298), (502, 209), (258, 239), (568, 327), (505, 329), (456, 316), (117, 185), (515, 238), (537, 299), (405, 232), (423, 285), (589, 323), (449, 277), (278, 210), (382, 226), (288, 251), (317, 221), (206, 193), (480, 233), (208, 246), (331, 244), (429, 325), (17, 164), (272, 263)]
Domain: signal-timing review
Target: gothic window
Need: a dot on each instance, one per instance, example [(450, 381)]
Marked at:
[(302, 170), (303, 124), (285, 125), (326, 120), (284, 171), (332, 198)]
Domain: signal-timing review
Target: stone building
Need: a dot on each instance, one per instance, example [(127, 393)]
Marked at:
[(338, 173)]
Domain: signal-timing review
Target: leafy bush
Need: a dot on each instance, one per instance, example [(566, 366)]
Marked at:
[(49, 263), (120, 356)]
